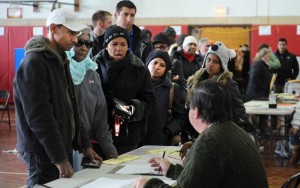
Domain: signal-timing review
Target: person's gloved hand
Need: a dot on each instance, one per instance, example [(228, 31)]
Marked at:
[(112, 153)]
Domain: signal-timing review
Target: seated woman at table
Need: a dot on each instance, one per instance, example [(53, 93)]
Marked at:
[(169, 117), (260, 76), (222, 156)]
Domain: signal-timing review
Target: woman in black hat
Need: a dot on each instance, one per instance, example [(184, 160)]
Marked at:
[(169, 117), (127, 87)]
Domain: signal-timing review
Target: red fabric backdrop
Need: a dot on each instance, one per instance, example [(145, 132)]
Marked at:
[(277, 31), (14, 37)]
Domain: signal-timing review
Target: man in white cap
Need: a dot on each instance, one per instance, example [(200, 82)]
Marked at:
[(47, 118)]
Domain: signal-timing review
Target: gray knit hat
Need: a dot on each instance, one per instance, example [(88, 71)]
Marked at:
[(224, 54)]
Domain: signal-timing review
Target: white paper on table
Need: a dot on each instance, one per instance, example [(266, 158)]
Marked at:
[(136, 169), (255, 104), (117, 183), (111, 183)]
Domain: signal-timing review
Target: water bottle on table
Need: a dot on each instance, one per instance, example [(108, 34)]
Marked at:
[(272, 100)]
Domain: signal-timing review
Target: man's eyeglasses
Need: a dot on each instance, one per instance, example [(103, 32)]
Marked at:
[(161, 47), (82, 42)]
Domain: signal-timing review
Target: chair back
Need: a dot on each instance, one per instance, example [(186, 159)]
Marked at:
[(4, 96), (292, 182)]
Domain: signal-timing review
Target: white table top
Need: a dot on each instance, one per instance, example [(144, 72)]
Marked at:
[(262, 108), (86, 176)]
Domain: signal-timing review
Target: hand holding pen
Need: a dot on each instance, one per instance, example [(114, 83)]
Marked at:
[(162, 159), (160, 164)]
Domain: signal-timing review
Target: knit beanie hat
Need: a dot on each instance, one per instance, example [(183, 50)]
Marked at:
[(113, 32), (187, 41), (170, 31), (224, 54), (161, 38), (160, 54)]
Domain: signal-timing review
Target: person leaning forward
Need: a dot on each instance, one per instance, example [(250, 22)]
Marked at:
[(126, 84), (47, 118), (223, 155)]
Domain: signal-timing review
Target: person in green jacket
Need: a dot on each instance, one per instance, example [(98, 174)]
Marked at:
[(222, 155), (274, 62)]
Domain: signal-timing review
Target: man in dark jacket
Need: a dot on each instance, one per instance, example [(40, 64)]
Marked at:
[(47, 117), (289, 65), (125, 15)]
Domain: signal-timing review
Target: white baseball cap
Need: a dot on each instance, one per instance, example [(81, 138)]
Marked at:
[(69, 20)]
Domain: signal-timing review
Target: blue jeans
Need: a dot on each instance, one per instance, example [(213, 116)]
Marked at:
[(294, 139), (40, 169)]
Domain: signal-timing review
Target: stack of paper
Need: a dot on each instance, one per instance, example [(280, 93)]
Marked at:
[(121, 159), (136, 170)]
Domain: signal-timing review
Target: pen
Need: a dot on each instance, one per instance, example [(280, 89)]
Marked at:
[(162, 159)]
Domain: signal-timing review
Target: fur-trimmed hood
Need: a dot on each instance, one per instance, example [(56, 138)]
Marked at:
[(201, 75)]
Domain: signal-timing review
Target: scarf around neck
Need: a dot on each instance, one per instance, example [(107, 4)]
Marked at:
[(78, 69), (188, 56)]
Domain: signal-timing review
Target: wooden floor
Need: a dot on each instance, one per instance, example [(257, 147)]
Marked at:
[(13, 170)]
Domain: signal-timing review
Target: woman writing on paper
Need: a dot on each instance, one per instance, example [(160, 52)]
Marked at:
[(222, 156)]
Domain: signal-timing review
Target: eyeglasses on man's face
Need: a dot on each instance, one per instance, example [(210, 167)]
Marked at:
[(161, 46), (82, 42)]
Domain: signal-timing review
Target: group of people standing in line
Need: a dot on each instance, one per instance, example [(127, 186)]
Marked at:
[(106, 92)]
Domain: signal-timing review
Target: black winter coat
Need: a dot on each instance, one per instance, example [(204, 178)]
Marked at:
[(139, 48), (188, 68), (289, 68), (259, 81), (159, 130), (129, 81), (98, 45), (43, 114)]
